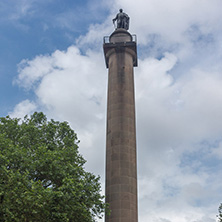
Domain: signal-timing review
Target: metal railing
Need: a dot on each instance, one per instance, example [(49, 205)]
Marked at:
[(106, 38)]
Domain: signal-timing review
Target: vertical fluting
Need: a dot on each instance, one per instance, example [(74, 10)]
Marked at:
[(121, 161)]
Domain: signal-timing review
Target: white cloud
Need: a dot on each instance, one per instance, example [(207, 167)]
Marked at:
[(171, 18), (217, 152), (32, 71), (25, 107), (178, 98), (71, 87), (16, 10), (172, 117)]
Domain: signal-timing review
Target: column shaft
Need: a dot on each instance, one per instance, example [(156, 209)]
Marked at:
[(121, 161)]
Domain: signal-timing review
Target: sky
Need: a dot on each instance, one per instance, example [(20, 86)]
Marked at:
[(51, 60)]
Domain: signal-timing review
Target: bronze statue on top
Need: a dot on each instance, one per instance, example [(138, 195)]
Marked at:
[(122, 20)]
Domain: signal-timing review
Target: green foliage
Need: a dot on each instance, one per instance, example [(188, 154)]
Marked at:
[(220, 213), (42, 176)]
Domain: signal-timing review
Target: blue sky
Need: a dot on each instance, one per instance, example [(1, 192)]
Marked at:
[(30, 28), (51, 60)]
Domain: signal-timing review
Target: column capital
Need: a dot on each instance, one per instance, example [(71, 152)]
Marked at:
[(120, 40)]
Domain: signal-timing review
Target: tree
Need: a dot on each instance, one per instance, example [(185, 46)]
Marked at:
[(42, 176), (220, 213)]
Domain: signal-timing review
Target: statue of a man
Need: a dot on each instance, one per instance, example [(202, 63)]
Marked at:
[(122, 20)]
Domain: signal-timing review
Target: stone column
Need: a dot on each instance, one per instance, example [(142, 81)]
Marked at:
[(121, 162)]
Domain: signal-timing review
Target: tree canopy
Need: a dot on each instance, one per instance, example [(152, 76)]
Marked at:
[(42, 175), (220, 213)]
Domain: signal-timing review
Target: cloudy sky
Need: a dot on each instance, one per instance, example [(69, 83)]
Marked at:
[(51, 60)]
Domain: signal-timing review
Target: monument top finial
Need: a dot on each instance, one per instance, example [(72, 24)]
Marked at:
[(122, 20)]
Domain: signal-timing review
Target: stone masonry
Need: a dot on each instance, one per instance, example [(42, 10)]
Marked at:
[(121, 162)]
